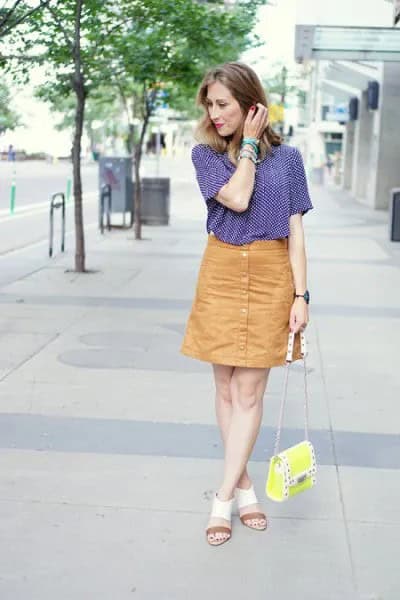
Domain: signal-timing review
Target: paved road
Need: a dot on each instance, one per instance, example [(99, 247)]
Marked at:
[(36, 181)]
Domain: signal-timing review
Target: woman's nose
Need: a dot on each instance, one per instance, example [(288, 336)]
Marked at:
[(214, 113)]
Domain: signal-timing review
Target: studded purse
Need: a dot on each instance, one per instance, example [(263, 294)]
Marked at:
[(293, 470)]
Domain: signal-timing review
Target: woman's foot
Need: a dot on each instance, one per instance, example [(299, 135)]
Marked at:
[(249, 509), (219, 526)]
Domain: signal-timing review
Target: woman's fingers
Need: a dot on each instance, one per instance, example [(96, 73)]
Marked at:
[(298, 319), (261, 118), (250, 115), (256, 121)]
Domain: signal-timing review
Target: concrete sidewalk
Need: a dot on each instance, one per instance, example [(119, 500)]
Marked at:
[(109, 448)]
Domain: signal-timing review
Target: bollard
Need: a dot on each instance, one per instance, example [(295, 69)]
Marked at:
[(13, 192), (53, 205), (105, 193), (68, 193)]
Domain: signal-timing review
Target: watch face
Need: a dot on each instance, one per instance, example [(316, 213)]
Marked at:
[(307, 296)]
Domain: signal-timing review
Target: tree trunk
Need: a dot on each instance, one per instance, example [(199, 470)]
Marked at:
[(138, 182), (138, 195), (130, 140), (79, 89), (76, 169)]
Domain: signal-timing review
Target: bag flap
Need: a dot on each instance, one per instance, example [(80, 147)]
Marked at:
[(298, 462)]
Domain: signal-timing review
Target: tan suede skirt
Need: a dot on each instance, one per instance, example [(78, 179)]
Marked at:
[(240, 312)]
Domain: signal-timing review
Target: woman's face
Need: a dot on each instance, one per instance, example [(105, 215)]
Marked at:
[(224, 110)]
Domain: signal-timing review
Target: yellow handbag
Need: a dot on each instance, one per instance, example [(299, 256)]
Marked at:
[(292, 470)]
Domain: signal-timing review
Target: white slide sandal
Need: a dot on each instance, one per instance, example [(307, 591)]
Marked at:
[(223, 510), (246, 498)]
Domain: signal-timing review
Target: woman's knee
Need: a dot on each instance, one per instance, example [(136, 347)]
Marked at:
[(248, 387), (222, 377)]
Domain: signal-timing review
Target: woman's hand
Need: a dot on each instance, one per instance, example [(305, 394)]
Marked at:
[(256, 122), (298, 315)]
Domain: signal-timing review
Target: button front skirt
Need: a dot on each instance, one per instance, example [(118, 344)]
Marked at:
[(241, 308)]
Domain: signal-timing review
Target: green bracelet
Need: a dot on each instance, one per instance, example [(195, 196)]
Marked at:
[(251, 139), (249, 142)]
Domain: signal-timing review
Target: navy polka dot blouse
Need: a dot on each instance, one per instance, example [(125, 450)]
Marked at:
[(280, 190)]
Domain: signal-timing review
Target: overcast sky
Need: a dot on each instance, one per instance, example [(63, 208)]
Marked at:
[(277, 27)]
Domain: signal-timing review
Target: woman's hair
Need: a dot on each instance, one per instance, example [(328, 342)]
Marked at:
[(246, 88)]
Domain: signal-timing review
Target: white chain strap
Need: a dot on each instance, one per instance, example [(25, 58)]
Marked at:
[(289, 358)]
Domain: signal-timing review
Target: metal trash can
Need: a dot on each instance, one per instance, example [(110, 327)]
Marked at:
[(117, 172), (155, 209), (394, 218)]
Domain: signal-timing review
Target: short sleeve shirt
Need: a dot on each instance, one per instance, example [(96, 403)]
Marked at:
[(280, 190)]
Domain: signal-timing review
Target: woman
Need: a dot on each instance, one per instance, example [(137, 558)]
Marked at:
[(251, 288)]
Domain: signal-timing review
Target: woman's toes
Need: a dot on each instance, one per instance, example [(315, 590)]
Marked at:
[(256, 523), (259, 523), (217, 538)]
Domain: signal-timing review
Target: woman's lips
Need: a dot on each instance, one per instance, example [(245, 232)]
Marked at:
[(218, 125)]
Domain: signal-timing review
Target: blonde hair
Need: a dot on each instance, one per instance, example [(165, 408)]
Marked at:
[(246, 88)]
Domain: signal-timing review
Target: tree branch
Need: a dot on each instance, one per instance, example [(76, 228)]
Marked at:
[(124, 99), (104, 35), (42, 4), (23, 57), (76, 48), (8, 13), (61, 27)]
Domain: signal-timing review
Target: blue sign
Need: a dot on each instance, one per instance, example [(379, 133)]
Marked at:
[(340, 112)]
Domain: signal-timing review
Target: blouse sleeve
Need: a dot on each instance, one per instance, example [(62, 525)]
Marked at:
[(299, 196), (211, 172)]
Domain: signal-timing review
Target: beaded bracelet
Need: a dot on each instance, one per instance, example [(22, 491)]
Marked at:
[(250, 146), (249, 149), (247, 154), (249, 142)]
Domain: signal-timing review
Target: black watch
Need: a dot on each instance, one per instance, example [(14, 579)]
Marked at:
[(306, 296)]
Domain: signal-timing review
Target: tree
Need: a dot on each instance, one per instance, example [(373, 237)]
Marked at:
[(139, 45), (9, 119), (13, 14), (75, 36), (172, 46), (100, 107)]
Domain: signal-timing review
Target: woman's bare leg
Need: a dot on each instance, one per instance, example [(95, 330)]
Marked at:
[(223, 409), (225, 390), (247, 392)]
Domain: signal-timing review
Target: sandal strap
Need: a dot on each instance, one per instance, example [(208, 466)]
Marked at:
[(218, 529), (253, 515), (222, 508), (246, 497)]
